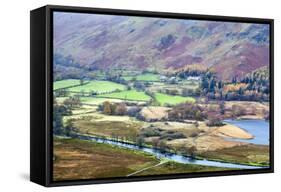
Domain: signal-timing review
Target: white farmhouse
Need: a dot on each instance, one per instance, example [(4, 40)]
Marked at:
[(194, 78)]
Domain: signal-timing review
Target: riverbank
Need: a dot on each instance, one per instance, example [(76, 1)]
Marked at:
[(167, 154), (77, 159), (250, 154)]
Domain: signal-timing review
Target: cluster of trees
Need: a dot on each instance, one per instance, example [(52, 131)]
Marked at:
[(157, 143), (212, 112), (72, 102), (61, 93), (258, 84), (160, 144), (64, 109), (187, 150), (65, 67), (113, 108), (160, 138), (117, 78), (59, 111), (253, 87), (171, 135), (237, 111), (116, 137), (140, 85), (184, 74), (133, 111), (187, 111), (120, 109), (210, 84), (213, 115), (214, 118), (69, 129)]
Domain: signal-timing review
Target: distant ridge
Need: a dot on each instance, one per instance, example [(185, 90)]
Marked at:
[(89, 42)]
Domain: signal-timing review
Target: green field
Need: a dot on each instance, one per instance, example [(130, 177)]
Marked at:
[(128, 78), (98, 87), (128, 95), (100, 100), (143, 77), (172, 100), (66, 83), (148, 77)]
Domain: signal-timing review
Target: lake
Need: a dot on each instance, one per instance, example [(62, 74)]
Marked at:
[(258, 128)]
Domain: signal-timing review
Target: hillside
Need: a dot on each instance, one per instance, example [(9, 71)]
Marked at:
[(86, 42)]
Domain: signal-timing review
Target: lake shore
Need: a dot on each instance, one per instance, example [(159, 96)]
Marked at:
[(231, 131)]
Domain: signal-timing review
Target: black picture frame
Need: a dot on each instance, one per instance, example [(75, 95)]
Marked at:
[(41, 140)]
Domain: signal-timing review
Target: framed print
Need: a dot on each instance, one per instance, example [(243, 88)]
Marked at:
[(122, 95)]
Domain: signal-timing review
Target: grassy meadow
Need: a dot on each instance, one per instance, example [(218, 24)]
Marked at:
[(132, 95), (98, 87), (66, 83), (172, 99), (150, 77)]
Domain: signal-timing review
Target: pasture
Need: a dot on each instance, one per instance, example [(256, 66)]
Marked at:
[(132, 95), (148, 77), (171, 99), (191, 86), (65, 83), (98, 87)]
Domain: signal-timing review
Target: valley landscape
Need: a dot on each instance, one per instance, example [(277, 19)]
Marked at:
[(137, 96)]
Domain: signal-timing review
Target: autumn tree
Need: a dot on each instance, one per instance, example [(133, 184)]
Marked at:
[(121, 109), (107, 108)]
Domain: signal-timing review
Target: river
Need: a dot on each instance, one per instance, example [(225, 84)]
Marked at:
[(175, 157)]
